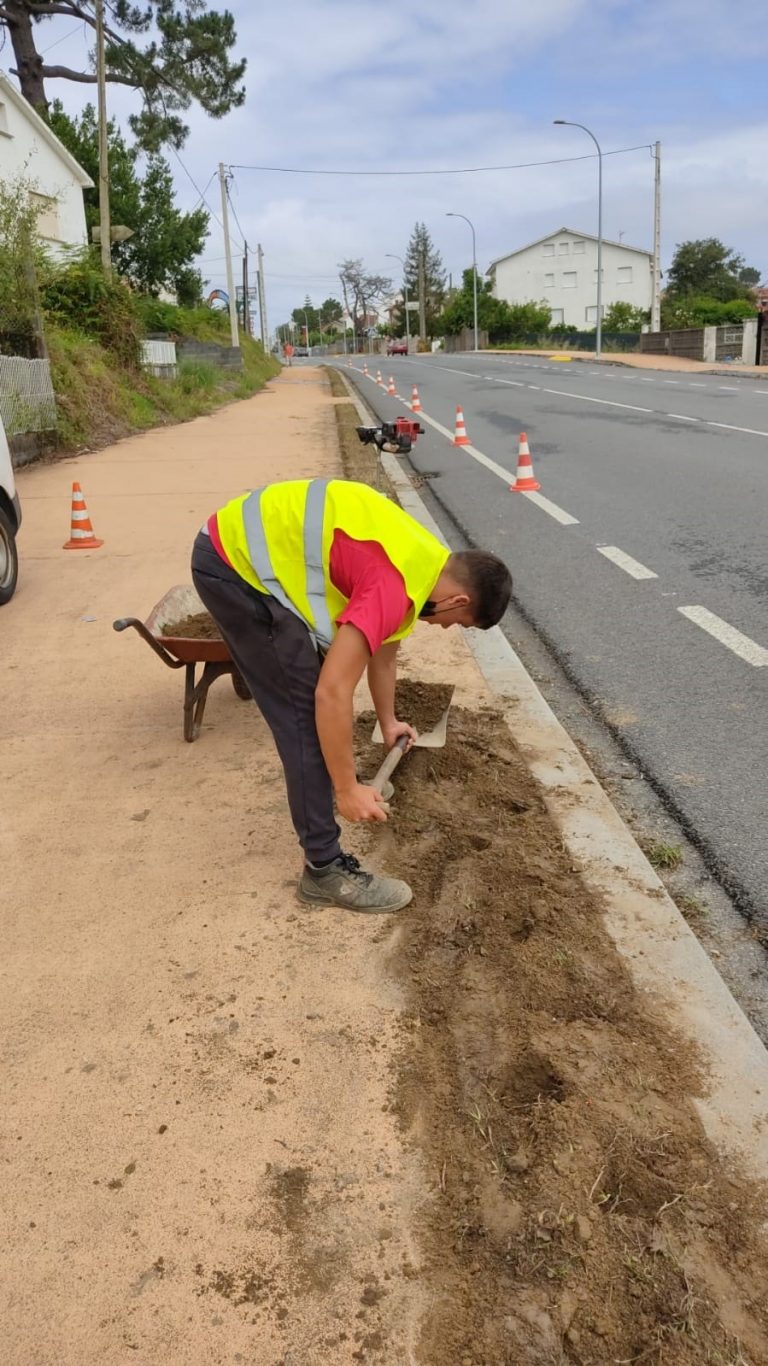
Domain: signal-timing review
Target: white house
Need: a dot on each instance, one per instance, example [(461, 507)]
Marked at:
[(29, 148), (562, 269)]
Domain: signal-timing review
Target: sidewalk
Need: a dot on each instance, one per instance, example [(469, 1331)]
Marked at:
[(640, 362), (236, 1130)]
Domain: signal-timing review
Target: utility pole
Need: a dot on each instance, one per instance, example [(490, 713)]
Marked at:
[(656, 294), (101, 78), (246, 306), (262, 299), (228, 254), (422, 296)]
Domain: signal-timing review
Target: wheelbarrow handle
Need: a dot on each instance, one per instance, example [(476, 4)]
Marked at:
[(390, 763), (123, 623)]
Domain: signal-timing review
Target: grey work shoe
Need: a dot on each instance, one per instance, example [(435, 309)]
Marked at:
[(343, 883)]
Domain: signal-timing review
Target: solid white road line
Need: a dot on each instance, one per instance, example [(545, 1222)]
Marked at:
[(741, 645), (682, 418), (546, 505), (558, 513), (625, 562), (729, 427), (518, 383)]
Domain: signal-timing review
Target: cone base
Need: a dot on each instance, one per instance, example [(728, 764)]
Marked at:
[(461, 441), (525, 486), (92, 543)]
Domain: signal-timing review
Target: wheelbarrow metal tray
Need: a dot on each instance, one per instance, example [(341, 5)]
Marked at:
[(176, 605)]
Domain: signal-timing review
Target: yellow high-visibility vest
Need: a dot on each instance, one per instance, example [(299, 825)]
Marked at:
[(279, 540)]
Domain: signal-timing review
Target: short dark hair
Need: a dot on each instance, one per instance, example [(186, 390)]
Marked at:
[(488, 582)]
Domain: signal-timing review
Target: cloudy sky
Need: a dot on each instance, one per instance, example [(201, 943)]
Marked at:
[(442, 85)]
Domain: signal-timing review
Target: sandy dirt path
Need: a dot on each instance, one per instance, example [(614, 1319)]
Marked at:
[(200, 1163)]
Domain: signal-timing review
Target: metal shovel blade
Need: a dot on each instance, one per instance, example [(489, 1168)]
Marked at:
[(429, 739)]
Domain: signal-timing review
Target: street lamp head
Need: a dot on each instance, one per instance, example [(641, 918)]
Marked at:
[(559, 120)]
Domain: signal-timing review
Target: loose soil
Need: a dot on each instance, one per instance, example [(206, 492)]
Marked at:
[(577, 1212), (198, 626)]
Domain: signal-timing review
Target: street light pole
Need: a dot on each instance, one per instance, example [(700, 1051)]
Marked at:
[(599, 326), (474, 268), (392, 257), (306, 321)]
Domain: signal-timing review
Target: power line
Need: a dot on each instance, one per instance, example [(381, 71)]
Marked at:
[(456, 170)]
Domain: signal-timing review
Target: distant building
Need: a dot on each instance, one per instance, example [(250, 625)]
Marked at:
[(561, 269), (30, 149), (761, 298)]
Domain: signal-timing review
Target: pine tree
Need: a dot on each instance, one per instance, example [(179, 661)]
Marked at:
[(184, 58), (421, 245)]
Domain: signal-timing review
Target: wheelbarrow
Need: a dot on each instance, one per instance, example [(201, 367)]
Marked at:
[(184, 652)]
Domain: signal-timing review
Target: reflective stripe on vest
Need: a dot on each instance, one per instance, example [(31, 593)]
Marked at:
[(313, 557)]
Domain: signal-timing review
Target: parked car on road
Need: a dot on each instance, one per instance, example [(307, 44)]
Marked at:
[(397, 348), (10, 521)]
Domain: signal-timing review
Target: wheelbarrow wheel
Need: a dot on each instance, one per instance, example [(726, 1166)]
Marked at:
[(240, 686)]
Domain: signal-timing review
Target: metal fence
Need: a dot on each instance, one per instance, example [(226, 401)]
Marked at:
[(159, 357), (27, 400)]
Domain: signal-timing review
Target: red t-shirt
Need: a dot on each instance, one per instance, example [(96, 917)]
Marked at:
[(361, 570)]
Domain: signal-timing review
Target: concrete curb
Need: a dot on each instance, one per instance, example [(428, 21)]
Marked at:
[(665, 959), (747, 371)]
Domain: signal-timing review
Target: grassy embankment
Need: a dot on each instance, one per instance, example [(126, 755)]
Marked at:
[(99, 400)]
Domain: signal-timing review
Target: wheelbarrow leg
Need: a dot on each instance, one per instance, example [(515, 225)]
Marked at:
[(196, 695)]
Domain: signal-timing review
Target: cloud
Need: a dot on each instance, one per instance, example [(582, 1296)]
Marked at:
[(446, 84)]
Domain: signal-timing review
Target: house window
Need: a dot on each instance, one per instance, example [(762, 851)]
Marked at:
[(563, 248), (47, 214), (557, 316), (549, 281), (569, 279), (578, 248), (625, 275), (591, 313), (548, 249), (4, 120)]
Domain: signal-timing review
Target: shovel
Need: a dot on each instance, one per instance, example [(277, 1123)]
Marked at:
[(430, 739)]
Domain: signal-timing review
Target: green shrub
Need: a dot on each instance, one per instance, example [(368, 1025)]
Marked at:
[(77, 294)]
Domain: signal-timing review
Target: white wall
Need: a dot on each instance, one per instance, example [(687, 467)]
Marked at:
[(25, 151), (543, 271)]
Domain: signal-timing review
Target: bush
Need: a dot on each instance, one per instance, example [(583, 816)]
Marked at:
[(78, 295)]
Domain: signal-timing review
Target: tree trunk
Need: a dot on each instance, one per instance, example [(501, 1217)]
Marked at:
[(29, 64)]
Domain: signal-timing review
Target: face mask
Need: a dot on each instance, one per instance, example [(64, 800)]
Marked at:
[(432, 608)]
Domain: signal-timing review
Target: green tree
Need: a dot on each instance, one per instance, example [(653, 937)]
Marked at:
[(166, 241), (421, 247), (174, 53), (502, 321), (624, 317), (707, 267)]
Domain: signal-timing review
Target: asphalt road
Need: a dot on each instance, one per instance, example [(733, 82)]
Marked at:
[(645, 571)]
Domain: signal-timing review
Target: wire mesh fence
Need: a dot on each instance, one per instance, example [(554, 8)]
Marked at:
[(27, 400)]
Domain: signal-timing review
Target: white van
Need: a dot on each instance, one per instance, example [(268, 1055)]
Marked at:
[(10, 521)]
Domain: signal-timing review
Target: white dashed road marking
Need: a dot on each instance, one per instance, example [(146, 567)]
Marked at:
[(740, 644), (625, 562)]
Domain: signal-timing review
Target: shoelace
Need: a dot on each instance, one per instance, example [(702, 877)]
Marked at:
[(352, 865)]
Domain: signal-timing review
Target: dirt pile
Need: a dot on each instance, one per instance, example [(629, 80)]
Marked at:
[(578, 1214), (198, 626)]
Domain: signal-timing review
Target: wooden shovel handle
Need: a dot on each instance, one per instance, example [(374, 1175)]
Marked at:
[(390, 763)]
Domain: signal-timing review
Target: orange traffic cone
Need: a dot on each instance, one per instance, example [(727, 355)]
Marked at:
[(365, 369), (391, 386), (415, 401), (525, 482), (379, 380), (461, 438), (81, 534)]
